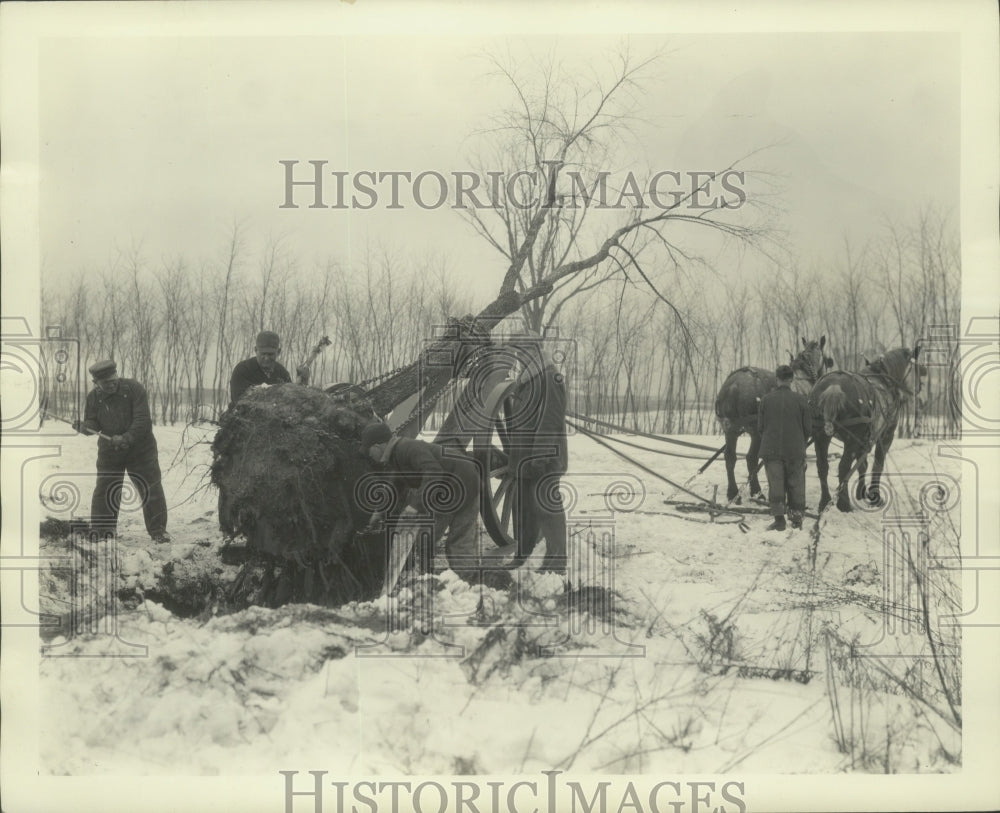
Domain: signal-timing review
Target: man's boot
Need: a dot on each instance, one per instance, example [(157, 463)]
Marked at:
[(778, 524)]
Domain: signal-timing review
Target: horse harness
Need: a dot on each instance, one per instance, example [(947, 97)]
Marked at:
[(882, 402), (798, 365)]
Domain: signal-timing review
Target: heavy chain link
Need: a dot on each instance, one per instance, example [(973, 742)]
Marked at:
[(431, 397), (374, 381)]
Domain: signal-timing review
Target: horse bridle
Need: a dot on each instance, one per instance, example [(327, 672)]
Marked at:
[(892, 382), (800, 362)]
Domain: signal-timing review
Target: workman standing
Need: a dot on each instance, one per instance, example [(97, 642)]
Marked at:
[(785, 425), (117, 409), (538, 453), (261, 368)]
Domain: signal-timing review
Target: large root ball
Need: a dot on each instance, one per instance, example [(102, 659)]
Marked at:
[(286, 460)]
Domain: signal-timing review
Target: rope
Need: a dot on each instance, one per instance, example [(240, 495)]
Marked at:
[(714, 508), (645, 448), (717, 517), (597, 439), (627, 431)]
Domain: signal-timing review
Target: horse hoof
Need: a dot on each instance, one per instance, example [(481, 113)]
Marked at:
[(737, 500), (845, 506)]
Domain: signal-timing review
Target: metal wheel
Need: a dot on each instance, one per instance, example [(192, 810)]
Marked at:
[(498, 497)]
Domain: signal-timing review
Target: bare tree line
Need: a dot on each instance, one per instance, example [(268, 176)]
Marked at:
[(638, 368), (180, 328), (654, 340)]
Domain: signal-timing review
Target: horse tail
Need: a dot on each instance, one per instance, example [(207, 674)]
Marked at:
[(830, 402), (727, 403)]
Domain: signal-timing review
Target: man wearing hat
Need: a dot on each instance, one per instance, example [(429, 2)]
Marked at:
[(118, 411), (784, 424), (446, 483), (262, 368)]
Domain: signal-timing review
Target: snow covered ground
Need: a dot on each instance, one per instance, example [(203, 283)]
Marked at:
[(687, 644)]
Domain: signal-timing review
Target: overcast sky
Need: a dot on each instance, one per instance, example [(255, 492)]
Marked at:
[(165, 141)]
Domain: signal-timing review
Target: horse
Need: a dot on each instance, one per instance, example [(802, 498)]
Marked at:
[(861, 410), (738, 399)]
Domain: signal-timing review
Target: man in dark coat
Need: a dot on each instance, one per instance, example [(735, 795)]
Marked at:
[(785, 425), (443, 483), (118, 410), (539, 454), (262, 368)]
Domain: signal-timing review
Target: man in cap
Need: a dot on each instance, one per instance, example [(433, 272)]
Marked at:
[(117, 410), (446, 485), (785, 426), (262, 368)]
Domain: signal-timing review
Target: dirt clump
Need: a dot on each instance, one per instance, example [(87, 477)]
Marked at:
[(290, 472)]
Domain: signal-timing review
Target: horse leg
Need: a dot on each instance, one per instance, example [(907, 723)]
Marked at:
[(843, 474), (860, 489), (753, 462), (821, 442), (881, 450), (732, 492)]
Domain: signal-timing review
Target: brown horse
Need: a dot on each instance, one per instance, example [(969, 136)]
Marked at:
[(861, 410), (738, 399)]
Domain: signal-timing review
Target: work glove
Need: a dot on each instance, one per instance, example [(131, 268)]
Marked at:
[(119, 442), (302, 374)]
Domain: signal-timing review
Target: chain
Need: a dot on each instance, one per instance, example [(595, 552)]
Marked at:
[(431, 397), (427, 402), (465, 322), (374, 381)]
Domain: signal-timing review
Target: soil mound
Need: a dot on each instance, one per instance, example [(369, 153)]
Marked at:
[(286, 460)]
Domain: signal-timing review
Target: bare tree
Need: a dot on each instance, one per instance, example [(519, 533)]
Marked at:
[(172, 284), (223, 305), (553, 135), (197, 320)]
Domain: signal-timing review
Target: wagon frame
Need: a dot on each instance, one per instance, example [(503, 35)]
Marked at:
[(482, 374)]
